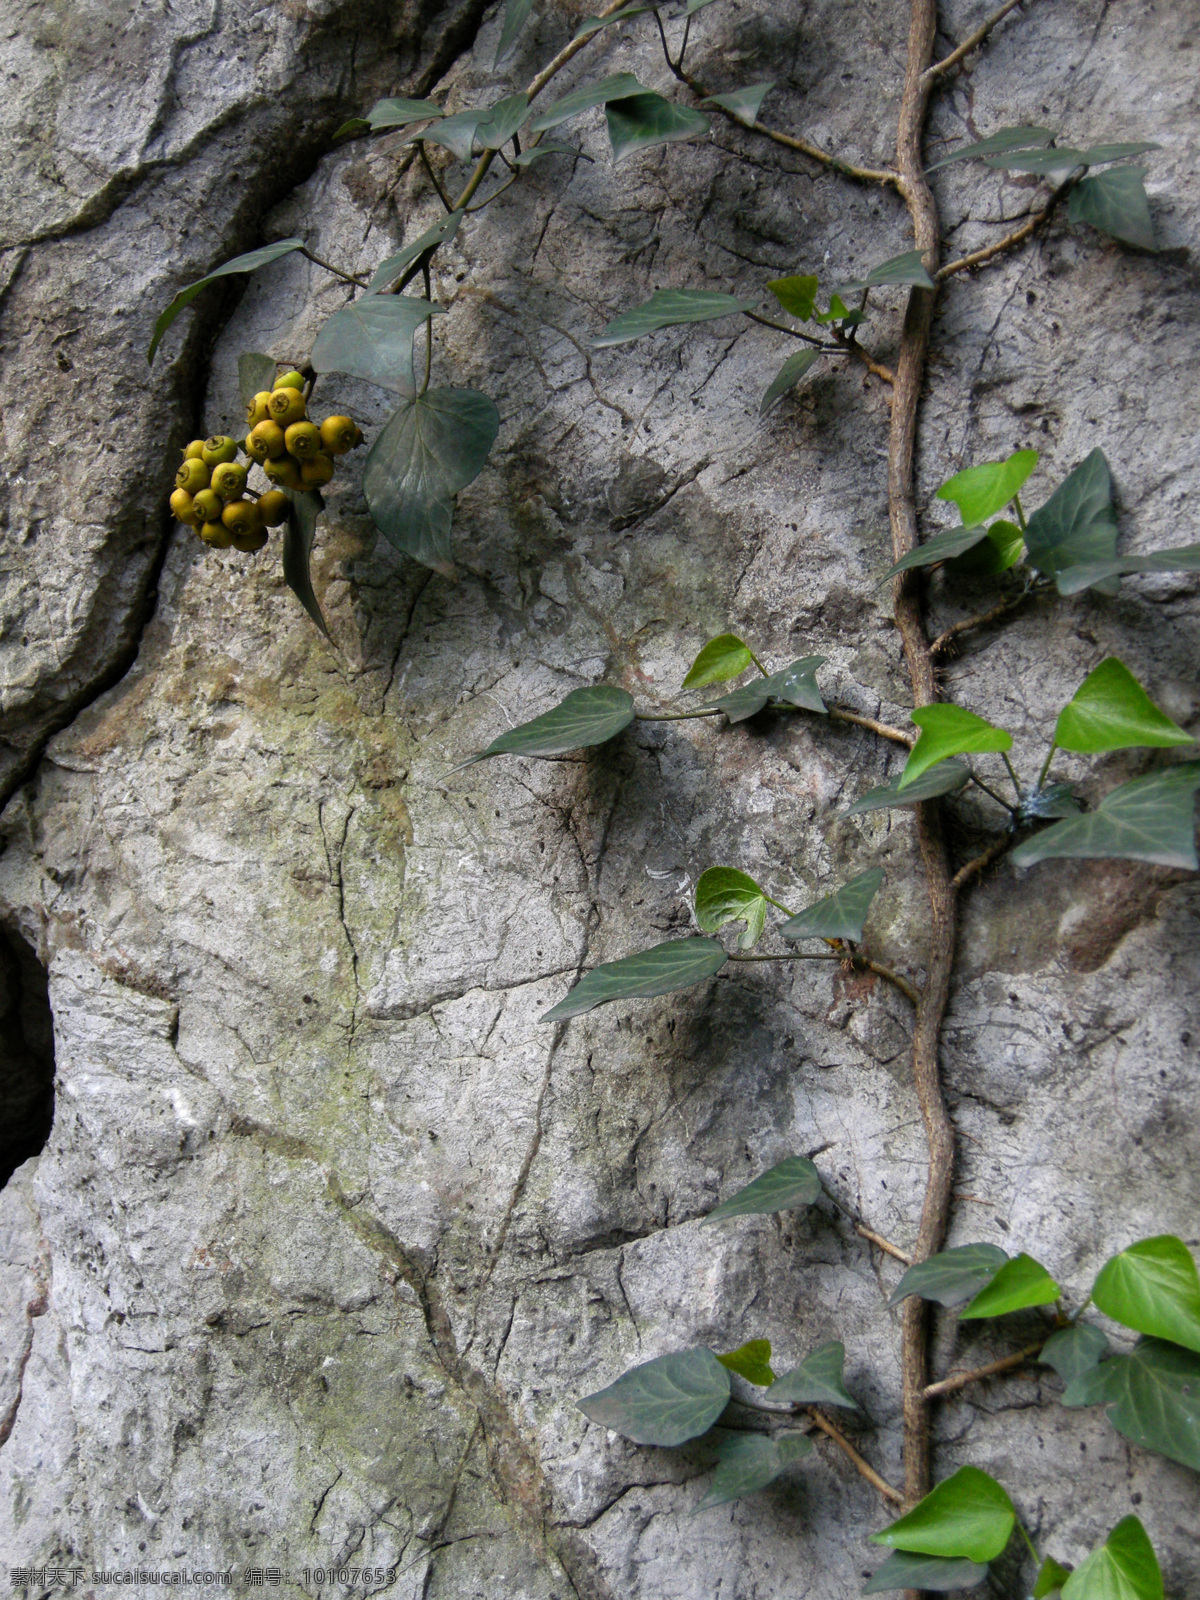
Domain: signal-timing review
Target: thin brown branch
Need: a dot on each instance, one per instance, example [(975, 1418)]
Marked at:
[(969, 43), (958, 1380), (883, 729), (981, 621), (885, 1245), (346, 277), (894, 978), (432, 175), (795, 333), (1038, 220), (868, 1471), (973, 868)]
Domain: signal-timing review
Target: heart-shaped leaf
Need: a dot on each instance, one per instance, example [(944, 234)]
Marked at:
[(372, 338), (586, 717), (1151, 1398), (1055, 800), (1184, 558), (945, 778), (748, 1462), (722, 658), (980, 491), (1074, 1351), (838, 312), (456, 133), (968, 1515), (797, 296), (949, 731), (1002, 549), (616, 87), (931, 1574), (906, 268), (502, 121), (442, 232), (662, 969), (788, 376), (1051, 1576), (1153, 1287), (751, 1361), (794, 685), (744, 104), (1078, 524), (723, 894), (839, 915), (790, 1183), (942, 547), (516, 15), (951, 1276), (255, 373), (298, 534), (398, 112), (1115, 202), (1023, 138), (1148, 819), (1123, 1568), (432, 447), (645, 120), (666, 308), (250, 262), (817, 1381), (1111, 711), (665, 1401), (1020, 1283)]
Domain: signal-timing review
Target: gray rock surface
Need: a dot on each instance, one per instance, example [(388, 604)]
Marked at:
[(331, 1231)]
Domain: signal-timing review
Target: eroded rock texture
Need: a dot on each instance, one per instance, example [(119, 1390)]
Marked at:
[(331, 1231)]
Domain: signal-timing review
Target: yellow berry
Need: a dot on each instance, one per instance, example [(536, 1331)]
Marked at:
[(286, 406), (183, 508), (192, 476), (284, 473), (256, 411), (290, 380), (191, 452), (265, 441), (207, 505), (274, 507), (242, 517), (316, 472), (219, 449), (216, 534), (229, 479), (302, 440), (338, 434)]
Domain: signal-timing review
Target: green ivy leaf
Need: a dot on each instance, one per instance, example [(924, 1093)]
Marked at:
[(1050, 1578), (817, 1381), (968, 1515), (591, 25), (586, 717), (442, 232), (255, 373), (933, 1574), (662, 969), (666, 308), (432, 447), (535, 152), (372, 338), (1078, 524), (397, 112), (797, 296), (1116, 203), (839, 915), (618, 86), (1151, 1398), (516, 15), (1111, 711), (951, 1276), (838, 312), (1039, 161), (1148, 819), (790, 1183), (949, 731), (748, 1462), (788, 376), (723, 894), (1023, 138), (665, 1401), (942, 547), (744, 104), (1074, 1351), (645, 120), (1123, 1568), (794, 685), (980, 491), (751, 1361), (1002, 549), (1020, 1283), (722, 658), (298, 534), (250, 262), (456, 133), (945, 778), (502, 121), (1185, 558), (1095, 155), (906, 268), (1153, 1287)]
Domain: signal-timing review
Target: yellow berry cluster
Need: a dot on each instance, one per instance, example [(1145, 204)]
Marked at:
[(210, 486)]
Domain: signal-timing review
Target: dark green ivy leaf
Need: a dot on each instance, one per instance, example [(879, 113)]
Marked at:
[(789, 375), (1024, 138), (615, 87), (586, 717), (1151, 1398), (1148, 819), (502, 121), (906, 268), (1002, 549), (456, 133), (644, 120), (1115, 202), (790, 1183), (951, 1276), (442, 232), (255, 373), (250, 262), (942, 547), (372, 338), (748, 1462), (968, 1515), (535, 152), (1062, 159), (665, 309), (665, 1401), (751, 1361), (1185, 558), (817, 1381), (398, 112), (1153, 1287), (946, 777), (934, 1574), (662, 969), (743, 103), (1123, 1568), (591, 25), (298, 534), (516, 14), (1055, 800), (794, 685), (1078, 524), (1097, 154), (839, 915), (1074, 1351)]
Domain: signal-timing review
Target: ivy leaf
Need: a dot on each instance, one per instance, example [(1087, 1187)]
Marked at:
[(1185, 558), (949, 731), (797, 296), (723, 894), (838, 313), (722, 658), (665, 1401), (1116, 203), (1153, 1287), (535, 152), (398, 112), (645, 120), (516, 14), (906, 268), (442, 232), (933, 1574), (1042, 162), (945, 778), (372, 338), (751, 1361), (951, 1276), (1020, 1283), (432, 447), (1151, 1398), (788, 376), (298, 534), (1002, 549), (591, 25), (790, 1183), (839, 915), (618, 86), (250, 262), (1111, 711), (662, 969), (1078, 524), (1055, 800), (1123, 1568), (1051, 1576), (980, 491), (255, 373), (942, 547), (666, 308), (748, 1462), (1148, 819), (502, 121), (586, 717), (1095, 155), (743, 103), (1074, 1351), (969, 1515), (817, 1381), (456, 133), (794, 685), (1024, 138)]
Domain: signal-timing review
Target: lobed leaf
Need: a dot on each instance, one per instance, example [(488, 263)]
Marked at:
[(906, 268), (968, 1515), (751, 1361), (817, 1381), (645, 120), (502, 121), (1185, 558), (1111, 711), (789, 375), (722, 658), (942, 547), (951, 1276), (790, 1183), (1022, 138), (933, 1574), (443, 230), (250, 262), (794, 685), (676, 964), (398, 112), (797, 296), (1020, 1283), (980, 491), (586, 717), (618, 85), (255, 373), (665, 1401), (1116, 203), (1147, 819), (1078, 524), (666, 308), (1151, 1398), (1123, 1568), (839, 915), (298, 534), (372, 338), (1002, 549), (1074, 1351), (948, 730), (723, 894), (944, 778), (748, 1462), (1153, 1287), (456, 133), (744, 104)]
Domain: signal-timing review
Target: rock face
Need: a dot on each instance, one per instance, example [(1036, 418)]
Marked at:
[(331, 1231)]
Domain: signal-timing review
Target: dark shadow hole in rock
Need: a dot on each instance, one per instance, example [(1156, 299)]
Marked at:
[(26, 1054)]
